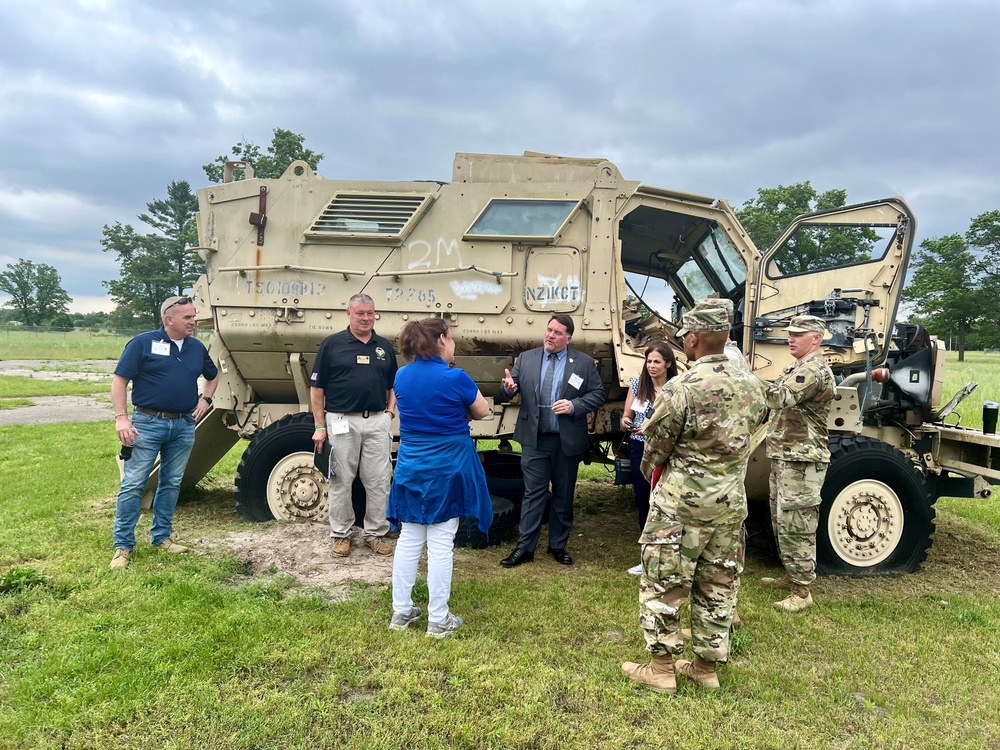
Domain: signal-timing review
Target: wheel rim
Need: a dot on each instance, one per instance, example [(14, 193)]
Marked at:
[(865, 523), (296, 490)]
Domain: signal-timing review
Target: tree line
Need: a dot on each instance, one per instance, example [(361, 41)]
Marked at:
[(954, 290)]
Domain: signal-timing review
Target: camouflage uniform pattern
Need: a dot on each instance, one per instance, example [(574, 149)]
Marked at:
[(795, 499), (798, 446), (700, 431), (801, 399)]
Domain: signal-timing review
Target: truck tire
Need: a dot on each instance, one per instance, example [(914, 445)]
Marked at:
[(877, 512), (276, 478), (504, 520), (503, 475)]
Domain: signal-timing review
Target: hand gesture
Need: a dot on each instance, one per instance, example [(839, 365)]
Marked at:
[(508, 382)]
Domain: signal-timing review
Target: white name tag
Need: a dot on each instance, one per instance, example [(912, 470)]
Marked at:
[(575, 381), (340, 428), (162, 348), (639, 407)]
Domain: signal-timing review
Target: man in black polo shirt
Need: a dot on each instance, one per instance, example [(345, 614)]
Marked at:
[(353, 404), (164, 367)]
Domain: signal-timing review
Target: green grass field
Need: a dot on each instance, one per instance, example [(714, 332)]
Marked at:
[(78, 345), (193, 652)]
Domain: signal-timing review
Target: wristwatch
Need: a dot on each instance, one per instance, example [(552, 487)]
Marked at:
[(208, 400)]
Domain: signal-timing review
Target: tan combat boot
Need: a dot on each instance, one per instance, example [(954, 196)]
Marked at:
[(797, 600), (784, 582), (701, 671), (121, 559), (658, 675)]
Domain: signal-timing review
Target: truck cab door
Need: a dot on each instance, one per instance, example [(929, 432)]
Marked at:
[(845, 265)]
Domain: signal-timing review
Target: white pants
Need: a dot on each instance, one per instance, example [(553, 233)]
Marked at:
[(365, 450), (440, 540)]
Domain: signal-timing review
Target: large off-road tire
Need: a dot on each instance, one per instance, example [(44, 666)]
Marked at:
[(877, 514), (276, 477), (504, 520)]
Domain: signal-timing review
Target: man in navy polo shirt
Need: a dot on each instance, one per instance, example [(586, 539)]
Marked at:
[(163, 367), (353, 405)]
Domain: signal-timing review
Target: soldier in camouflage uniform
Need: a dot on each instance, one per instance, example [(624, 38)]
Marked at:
[(699, 433), (798, 446)]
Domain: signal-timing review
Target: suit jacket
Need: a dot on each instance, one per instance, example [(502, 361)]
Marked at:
[(588, 397)]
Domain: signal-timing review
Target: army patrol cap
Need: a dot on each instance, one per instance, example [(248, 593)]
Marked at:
[(806, 324), (707, 315)]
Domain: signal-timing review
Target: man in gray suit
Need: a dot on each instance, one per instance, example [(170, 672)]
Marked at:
[(559, 387)]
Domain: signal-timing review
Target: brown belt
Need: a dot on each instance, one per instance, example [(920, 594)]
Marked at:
[(164, 414)]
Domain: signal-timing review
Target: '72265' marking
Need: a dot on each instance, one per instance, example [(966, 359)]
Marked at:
[(399, 294)]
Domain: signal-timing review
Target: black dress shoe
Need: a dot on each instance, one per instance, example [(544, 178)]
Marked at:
[(517, 557), (561, 556)]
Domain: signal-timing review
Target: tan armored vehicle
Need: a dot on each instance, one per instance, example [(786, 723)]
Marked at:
[(512, 240)]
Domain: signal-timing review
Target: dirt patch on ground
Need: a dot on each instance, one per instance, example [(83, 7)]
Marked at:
[(303, 551)]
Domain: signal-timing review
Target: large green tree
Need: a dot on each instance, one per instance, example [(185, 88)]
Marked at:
[(766, 216), (35, 291), (946, 290), (285, 148), (984, 236), (155, 265)]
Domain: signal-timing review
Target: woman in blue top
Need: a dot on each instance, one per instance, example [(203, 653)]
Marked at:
[(438, 476)]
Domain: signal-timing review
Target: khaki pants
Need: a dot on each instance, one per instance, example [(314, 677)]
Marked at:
[(365, 450)]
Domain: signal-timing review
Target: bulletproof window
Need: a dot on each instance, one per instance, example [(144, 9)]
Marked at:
[(817, 247), (505, 218)]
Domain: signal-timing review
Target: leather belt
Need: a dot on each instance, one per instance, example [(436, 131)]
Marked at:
[(363, 414), (164, 414)]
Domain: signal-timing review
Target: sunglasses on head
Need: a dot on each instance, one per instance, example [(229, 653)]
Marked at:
[(181, 301)]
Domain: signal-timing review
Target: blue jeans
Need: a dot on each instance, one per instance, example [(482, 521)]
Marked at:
[(173, 440)]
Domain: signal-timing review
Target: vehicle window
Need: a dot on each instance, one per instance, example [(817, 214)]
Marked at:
[(815, 247), (522, 218), (725, 262), (694, 280)]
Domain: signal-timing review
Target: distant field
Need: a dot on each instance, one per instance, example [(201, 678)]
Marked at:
[(55, 345), (984, 369), (77, 344)]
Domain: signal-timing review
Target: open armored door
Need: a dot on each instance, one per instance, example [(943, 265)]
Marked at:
[(847, 266)]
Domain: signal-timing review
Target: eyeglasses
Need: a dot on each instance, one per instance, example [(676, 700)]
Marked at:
[(181, 301)]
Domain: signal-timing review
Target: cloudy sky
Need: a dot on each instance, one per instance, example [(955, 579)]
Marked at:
[(104, 102)]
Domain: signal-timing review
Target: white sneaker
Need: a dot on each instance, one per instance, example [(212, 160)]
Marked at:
[(443, 629), (402, 620), (635, 570)]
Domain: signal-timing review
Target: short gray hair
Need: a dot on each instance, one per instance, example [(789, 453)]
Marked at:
[(363, 298)]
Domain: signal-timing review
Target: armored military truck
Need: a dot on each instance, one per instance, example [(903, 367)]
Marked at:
[(511, 240)]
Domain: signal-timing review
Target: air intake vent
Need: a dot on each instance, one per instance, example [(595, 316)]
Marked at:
[(368, 215)]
